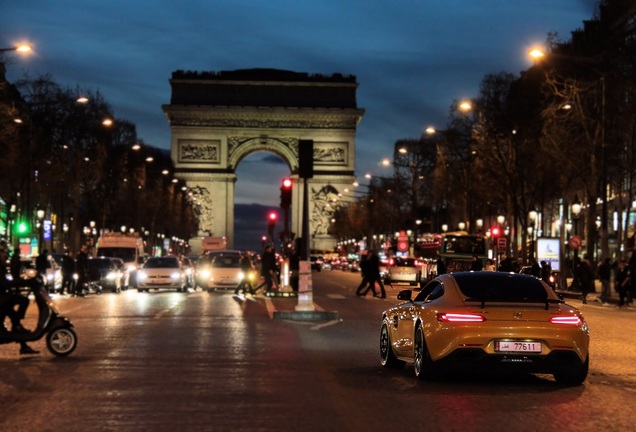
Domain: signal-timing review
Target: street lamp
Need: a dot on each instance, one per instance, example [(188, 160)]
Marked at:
[(590, 64), (21, 48)]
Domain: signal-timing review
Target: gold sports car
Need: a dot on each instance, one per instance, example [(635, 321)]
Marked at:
[(486, 321)]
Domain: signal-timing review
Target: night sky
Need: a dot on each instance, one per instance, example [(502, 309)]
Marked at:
[(412, 58)]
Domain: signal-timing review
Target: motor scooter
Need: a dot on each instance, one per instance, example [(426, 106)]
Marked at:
[(61, 338)]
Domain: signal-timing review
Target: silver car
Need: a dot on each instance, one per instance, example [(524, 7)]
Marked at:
[(404, 271)]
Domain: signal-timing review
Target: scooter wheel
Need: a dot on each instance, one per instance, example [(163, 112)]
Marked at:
[(61, 341)]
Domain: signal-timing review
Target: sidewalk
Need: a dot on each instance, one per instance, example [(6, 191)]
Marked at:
[(591, 297)]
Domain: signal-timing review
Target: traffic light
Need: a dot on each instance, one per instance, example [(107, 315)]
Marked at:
[(286, 193), (22, 227), (271, 223), (495, 232)]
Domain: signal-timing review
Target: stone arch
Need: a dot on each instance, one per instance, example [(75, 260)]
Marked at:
[(219, 118), (287, 150)]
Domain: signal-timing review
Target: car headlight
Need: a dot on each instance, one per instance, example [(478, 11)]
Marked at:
[(241, 275), (131, 267), (175, 276), (49, 277), (142, 276), (205, 273), (111, 276)]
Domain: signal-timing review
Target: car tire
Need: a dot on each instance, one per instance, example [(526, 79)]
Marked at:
[(573, 375), (387, 357), (422, 363)]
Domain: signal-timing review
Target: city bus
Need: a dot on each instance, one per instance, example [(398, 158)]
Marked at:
[(458, 248)]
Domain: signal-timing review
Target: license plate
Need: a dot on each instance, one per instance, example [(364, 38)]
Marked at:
[(518, 346)]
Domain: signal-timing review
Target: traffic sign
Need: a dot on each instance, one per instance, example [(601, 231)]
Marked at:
[(502, 242), (575, 242)]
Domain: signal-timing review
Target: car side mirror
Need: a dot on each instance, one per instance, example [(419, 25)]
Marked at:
[(405, 295)]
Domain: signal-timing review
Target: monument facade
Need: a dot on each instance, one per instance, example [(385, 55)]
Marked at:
[(219, 118)]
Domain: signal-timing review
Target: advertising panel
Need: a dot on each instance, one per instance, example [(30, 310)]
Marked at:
[(549, 250)]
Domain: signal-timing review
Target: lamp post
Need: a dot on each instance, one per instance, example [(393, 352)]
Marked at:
[(590, 64), (532, 230)]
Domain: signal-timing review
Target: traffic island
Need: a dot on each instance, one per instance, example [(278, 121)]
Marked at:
[(310, 315), (305, 309)]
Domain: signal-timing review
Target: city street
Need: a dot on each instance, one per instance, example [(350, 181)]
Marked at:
[(203, 361)]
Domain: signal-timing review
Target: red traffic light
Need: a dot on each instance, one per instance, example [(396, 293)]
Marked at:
[(287, 183), (273, 216), (495, 232)]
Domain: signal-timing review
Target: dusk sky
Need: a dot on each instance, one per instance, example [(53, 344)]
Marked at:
[(412, 58)]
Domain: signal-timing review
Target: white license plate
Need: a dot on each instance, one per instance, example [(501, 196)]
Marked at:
[(518, 346)]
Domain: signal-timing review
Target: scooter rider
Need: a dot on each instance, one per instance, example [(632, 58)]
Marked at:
[(9, 299)]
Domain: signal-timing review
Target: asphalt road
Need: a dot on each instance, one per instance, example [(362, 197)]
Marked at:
[(213, 362)]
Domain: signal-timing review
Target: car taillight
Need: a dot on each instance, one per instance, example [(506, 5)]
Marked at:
[(456, 317), (566, 320)]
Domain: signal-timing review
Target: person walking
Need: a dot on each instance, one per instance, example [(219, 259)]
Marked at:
[(247, 268), (604, 274), (268, 269), (622, 283), (364, 272), (68, 269), (585, 277), (374, 274), (81, 267)]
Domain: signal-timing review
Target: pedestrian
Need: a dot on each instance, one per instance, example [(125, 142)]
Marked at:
[(622, 283), (490, 265), (535, 268), (374, 275), (505, 264), (42, 263), (68, 270), (441, 267), (248, 272), (545, 272), (364, 272), (604, 274), (16, 266), (81, 267), (476, 264), (268, 269), (586, 277), (294, 269)]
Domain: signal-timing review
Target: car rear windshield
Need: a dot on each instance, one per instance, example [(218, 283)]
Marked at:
[(500, 287), (405, 262), (226, 262), (162, 263)]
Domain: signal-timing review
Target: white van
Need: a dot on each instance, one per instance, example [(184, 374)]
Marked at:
[(128, 247)]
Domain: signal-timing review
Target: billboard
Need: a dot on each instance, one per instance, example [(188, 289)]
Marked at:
[(549, 250)]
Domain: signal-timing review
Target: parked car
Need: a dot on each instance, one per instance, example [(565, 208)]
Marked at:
[(161, 273), (404, 271), (103, 274), (478, 321)]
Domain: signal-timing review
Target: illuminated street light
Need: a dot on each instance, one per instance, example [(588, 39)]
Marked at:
[(22, 48), (430, 130), (465, 106)]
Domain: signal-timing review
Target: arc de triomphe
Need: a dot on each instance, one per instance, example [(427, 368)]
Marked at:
[(218, 118)]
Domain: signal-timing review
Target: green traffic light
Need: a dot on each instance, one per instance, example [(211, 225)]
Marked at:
[(22, 228)]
